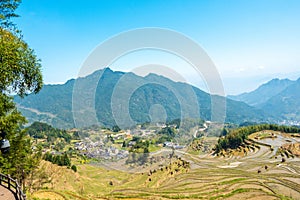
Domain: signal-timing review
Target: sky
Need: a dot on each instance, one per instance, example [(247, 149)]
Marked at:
[(250, 42)]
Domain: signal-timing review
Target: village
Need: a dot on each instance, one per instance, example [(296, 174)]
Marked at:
[(104, 144)]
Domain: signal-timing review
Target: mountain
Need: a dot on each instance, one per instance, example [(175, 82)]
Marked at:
[(108, 98), (279, 98), (286, 103), (53, 105), (264, 92)]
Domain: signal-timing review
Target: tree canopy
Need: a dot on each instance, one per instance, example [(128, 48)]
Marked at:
[(7, 8), (20, 73), (19, 68)]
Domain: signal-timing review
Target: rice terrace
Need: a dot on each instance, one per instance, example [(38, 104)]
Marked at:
[(149, 99), (258, 169)]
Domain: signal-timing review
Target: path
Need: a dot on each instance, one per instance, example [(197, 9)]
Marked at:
[(6, 194), (201, 130)]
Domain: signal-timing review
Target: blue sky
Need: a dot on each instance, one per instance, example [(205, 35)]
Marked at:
[(250, 42)]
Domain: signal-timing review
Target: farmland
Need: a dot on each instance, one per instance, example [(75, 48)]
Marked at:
[(259, 173)]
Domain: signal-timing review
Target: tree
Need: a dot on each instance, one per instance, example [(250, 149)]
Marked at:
[(20, 74), (19, 67), (124, 144), (66, 160), (74, 168), (7, 8), (116, 128), (224, 132), (167, 131)]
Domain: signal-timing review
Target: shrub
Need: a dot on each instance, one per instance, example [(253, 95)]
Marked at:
[(74, 168)]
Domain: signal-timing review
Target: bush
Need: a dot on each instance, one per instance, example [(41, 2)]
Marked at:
[(74, 168)]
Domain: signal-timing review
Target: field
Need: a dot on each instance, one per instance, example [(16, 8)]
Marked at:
[(254, 174)]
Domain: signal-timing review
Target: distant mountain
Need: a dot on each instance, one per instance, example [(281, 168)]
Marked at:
[(279, 98), (53, 105), (264, 92), (104, 101), (285, 104)]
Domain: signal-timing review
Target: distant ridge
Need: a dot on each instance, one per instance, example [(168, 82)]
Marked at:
[(285, 104), (278, 97), (264, 92), (53, 104)]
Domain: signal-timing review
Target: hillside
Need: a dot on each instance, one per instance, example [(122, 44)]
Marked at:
[(285, 103), (278, 98), (264, 166), (264, 92), (54, 103), (253, 172)]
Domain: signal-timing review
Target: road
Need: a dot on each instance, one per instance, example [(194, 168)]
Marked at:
[(6, 194)]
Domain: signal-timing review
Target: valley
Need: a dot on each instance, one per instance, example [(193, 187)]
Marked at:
[(149, 100), (260, 169)]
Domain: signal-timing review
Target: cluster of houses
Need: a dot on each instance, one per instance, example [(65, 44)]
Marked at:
[(99, 150), (290, 122), (173, 145)]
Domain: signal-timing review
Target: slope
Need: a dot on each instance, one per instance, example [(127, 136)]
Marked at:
[(264, 92), (286, 103), (125, 98)]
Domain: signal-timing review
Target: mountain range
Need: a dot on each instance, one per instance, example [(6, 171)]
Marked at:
[(279, 98), (103, 97)]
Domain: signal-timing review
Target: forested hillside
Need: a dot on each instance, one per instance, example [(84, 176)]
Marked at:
[(54, 103), (278, 97)]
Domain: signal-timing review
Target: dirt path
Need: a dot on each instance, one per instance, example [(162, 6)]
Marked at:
[(6, 194), (37, 111)]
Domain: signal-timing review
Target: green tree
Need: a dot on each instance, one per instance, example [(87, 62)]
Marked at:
[(224, 132), (167, 131), (19, 67), (74, 168), (116, 128), (66, 160), (7, 8), (19, 74), (124, 144)]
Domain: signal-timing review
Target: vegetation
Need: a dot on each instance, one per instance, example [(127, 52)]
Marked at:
[(20, 69), (74, 168), (54, 102), (236, 137), (56, 143), (139, 152), (271, 98), (168, 131), (61, 160), (44, 131), (20, 74), (116, 128), (207, 178), (168, 176)]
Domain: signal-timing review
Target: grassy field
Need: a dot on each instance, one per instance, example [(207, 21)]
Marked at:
[(254, 175)]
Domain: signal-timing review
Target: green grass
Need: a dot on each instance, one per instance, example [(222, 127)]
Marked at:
[(154, 148), (232, 181), (237, 191)]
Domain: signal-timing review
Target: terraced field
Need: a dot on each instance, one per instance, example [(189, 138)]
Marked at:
[(258, 173)]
